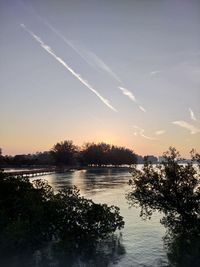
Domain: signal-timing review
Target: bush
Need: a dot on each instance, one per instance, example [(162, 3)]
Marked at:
[(170, 187), (32, 214), (174, 190)]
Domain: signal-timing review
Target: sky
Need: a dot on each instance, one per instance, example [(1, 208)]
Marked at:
[(122, 72)]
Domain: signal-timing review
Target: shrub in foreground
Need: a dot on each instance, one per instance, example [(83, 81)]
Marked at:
[(173, 190), (31, 214)]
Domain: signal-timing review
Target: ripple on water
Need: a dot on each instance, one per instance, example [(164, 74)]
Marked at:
[(142, 239)]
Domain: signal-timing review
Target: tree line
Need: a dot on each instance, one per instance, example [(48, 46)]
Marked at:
[(67, 153)]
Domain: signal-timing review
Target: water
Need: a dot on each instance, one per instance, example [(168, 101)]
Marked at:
[(141, 243)]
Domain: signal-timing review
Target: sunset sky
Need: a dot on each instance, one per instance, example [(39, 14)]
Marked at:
[(123, 72)]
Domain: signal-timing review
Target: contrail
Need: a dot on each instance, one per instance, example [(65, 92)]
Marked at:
[(65, 40), (99, 62), (62, 62), (102, 65), (92, 59), (89, 56)]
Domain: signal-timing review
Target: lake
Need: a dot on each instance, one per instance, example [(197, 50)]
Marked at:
[(140, 241)]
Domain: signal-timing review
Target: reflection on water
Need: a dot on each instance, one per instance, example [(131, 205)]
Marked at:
[(105, 253), (139, 243), (184, 248), (142, 240)]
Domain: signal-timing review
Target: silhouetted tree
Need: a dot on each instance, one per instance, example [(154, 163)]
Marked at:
[(63, 152), (170, 188), (174, 190), (121, 155), (1, 157), (183, 246), (32, 214), (95, 153), (105, 154), (151, 159), (43, 158)]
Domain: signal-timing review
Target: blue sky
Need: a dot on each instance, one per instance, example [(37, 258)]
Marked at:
[(123, 72)]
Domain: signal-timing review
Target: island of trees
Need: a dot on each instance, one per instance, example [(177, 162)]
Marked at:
[(66, 153)]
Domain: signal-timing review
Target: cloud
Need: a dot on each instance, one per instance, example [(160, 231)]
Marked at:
[(141, 133), (65, 65), (189, 127), (155, 72), (128, 93), (160, 132), (142, 108), (192, 116)]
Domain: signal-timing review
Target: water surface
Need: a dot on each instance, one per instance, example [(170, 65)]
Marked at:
[(141, 240)]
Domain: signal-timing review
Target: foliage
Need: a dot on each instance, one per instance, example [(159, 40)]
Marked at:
[(105, 154), (39, 158), (170, 188), (183, 247), (32, 214), (106, 252), (174, 190), (64, 152)]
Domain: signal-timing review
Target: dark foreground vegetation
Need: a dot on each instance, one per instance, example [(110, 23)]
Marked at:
[(32, 215), (173, 190), (66, 153)]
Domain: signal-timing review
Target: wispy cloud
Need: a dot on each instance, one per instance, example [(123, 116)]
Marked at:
[(142, 108), (65, 65), (160, 132), (128, 93), (102, 65), (192, 116), (141, 131), (155, 72), (188, 126)]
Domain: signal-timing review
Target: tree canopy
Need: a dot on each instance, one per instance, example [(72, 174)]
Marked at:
[(174, 190), (105, 154), (32, 214), (170, 187), (63, 152)]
